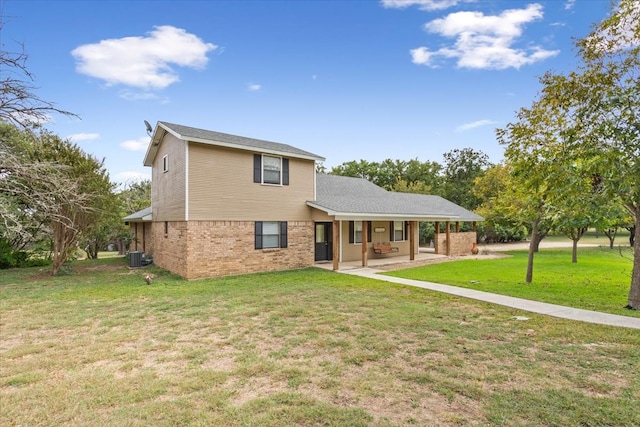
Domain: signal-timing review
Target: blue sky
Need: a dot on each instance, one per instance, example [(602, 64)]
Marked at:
[(346, 80)]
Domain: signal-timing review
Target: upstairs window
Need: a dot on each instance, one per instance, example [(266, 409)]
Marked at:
[(270, 170), (165, 163)]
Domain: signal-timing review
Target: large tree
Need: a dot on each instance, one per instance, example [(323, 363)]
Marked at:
[(500, 205), (54, 180), (461, 168), (591, 117), (602, 98), (411, 176)]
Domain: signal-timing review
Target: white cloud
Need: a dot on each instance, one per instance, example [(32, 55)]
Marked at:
[(476, 124), (254, 87), (422, 4), (77, 137), (139, 144), (143, 62), (484, 41), (569, 4)]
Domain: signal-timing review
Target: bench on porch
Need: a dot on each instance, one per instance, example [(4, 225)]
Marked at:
[(384, 248)]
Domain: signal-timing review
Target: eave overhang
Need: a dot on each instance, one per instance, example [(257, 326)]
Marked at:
[(368, 216), (161, 130)]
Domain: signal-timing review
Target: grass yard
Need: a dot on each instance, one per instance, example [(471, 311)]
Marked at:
[(308, 348), (599, 281)]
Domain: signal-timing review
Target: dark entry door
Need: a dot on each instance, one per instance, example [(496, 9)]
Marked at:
[(324, 241)]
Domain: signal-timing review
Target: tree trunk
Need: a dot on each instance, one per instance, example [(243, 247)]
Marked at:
[(611, 234), (540, 234), (634, 292), (532, 245), (574, 251)]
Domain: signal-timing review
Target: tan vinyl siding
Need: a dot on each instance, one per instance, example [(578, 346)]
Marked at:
[(168, 188), (221, 187), (318, 215)]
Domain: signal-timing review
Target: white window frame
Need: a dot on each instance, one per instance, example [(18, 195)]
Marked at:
[(357, 228), (165, 163), (395, 230), (279, 159), (269, 237)]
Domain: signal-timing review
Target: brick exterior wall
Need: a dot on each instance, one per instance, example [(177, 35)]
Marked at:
[(461, 243), (200, 249), (170, 250)]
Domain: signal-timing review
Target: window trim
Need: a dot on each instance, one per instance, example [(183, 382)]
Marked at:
[(352, 232), (165, 163), (279, 159), (392, 234), (259, 235), (258, 170)]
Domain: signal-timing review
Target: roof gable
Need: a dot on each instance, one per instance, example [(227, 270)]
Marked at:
[(204, 136)]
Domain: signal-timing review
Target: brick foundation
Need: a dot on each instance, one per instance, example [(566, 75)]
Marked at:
[(199, 249)]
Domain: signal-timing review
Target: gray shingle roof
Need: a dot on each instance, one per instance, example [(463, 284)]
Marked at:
[(346, 197), (140, 215), (208, 136)]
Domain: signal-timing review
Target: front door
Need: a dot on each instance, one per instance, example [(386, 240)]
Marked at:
[(324, 241)]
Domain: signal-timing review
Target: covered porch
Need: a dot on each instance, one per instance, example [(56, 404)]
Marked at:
[(423, 256), (357, 221)]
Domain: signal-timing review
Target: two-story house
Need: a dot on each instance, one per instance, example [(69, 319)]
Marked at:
[(224, 204)]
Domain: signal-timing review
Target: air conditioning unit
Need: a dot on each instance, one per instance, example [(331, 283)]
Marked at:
[(135, 258)]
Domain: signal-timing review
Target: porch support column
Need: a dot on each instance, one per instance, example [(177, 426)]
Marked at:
[(336, 245), (412, 240), (457, 226), (448, 238), (365, 238), (435, 237), (474, 227)]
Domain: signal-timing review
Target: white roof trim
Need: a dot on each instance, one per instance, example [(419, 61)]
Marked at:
[(365, 216)]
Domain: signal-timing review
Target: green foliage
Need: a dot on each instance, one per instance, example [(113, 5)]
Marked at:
[(11, 258), (7, 257), (500, 206), (574, 152), (53, 186), (462, 167)]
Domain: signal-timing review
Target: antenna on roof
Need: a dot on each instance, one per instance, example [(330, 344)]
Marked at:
[(149, 128)]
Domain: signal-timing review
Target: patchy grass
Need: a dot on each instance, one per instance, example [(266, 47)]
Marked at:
[(599, 281), (308, 347)]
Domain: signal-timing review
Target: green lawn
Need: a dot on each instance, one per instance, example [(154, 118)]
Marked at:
[(592, 237), (600, 280), (309, 348)]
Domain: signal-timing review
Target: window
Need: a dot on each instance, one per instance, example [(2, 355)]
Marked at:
[(355, 231), (270, 169), (398, 231), (165, 163), (270, 234)]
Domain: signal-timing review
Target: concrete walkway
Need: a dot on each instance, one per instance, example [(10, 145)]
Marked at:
[(519, 303)]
